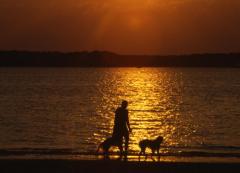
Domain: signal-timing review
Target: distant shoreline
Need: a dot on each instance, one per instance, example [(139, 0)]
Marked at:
[(109, 59)]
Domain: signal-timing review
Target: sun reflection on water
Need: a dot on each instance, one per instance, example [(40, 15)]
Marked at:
[(150, 112), (157, 107)]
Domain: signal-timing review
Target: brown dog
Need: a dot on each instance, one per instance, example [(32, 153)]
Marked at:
[(154, 145), (108, 143)]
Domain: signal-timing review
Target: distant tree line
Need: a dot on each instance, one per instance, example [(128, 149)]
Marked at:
[(109, 59)]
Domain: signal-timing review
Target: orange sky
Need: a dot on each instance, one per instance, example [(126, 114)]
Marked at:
[(121, 26)]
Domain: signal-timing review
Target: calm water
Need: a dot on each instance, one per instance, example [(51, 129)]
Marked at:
[(69, 111)]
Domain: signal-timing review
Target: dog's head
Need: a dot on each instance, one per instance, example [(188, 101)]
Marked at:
[(159, 139), (100, 148), (105, 145)]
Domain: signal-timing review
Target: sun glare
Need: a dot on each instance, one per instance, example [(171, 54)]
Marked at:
[(135, 23)]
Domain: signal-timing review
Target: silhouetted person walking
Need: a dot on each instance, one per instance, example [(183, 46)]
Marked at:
[(121, 124)]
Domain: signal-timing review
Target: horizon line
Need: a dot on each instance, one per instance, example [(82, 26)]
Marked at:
[(119, 54)]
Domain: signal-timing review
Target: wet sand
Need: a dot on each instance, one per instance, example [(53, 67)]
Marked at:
[(72, 166)]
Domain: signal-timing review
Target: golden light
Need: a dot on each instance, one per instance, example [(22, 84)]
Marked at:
[(139, 86), (152, 112), (135, 23), (134, 15)]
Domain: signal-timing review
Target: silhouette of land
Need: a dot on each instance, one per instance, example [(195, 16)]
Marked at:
[(109, 59)]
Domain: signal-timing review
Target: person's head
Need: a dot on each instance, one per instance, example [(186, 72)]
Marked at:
[(124, 104)]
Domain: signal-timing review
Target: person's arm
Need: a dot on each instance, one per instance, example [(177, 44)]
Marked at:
[(128, 124)]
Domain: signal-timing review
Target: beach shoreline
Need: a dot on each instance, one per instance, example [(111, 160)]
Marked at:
[(63, 165)]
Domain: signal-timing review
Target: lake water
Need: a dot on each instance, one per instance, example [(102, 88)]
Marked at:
[(67, 112)]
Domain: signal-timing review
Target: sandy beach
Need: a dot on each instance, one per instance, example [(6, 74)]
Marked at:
[(63, 166)]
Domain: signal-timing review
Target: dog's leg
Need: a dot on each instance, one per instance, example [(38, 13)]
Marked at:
[(145, 154), (153, 152), (106, 151), (158, 153), (139, 155), (106, 156)]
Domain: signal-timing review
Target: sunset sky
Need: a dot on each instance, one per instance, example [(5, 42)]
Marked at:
[(121, 26)]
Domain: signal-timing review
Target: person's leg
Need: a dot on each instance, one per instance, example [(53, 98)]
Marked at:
[(126, 138)]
